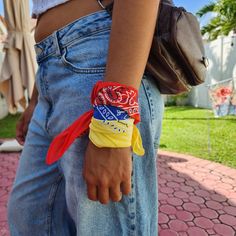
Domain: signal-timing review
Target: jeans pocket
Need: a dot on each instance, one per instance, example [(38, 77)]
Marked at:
[(87, 54), (152, 96), (155, 105)]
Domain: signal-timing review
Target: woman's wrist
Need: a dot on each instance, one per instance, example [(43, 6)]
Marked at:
[(111, 133), (115, 112), (121, 97)]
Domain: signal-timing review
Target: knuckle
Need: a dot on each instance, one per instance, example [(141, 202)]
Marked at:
[(90, 179), (104, 201), (92, 182), (92, 198), (126, 191), (127, 176), (116, 198), (127, 181), (103, 183)]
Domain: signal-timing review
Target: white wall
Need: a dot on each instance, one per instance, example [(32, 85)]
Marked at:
[(222, 65)]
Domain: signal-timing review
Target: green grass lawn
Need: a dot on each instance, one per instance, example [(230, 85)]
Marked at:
[(196, 132), (185, 130), (8, 126)]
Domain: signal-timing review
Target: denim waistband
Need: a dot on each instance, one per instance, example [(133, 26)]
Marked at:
[(81, 27)]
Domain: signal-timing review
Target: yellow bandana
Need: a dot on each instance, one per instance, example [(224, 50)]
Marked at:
[(116, 134)]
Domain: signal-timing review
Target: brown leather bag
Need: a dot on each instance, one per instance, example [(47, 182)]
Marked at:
[(177, 58)]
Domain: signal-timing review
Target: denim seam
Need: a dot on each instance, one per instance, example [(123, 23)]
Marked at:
[(156, 144), (43, 90), (51, 198), (49, 114), (42, 58), (131, 205), (151, 107), (48, 97), (69, 66), (149, 97), (47, 55), (92, 33)]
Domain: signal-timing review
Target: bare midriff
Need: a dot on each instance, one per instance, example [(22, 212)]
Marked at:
[(61, 15)]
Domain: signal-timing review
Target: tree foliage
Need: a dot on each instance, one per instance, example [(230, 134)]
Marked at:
[(223, 20)]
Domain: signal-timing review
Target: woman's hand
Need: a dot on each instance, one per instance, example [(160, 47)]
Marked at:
[(107, 172), (23, 123)]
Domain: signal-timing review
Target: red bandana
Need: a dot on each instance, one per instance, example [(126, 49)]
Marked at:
[(104, 93)]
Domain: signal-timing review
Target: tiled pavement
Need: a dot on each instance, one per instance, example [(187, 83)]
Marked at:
[(197, 197), (8, 164)]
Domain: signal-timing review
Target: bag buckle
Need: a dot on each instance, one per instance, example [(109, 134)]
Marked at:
[(205, 61), (108, 8), (100, 3)]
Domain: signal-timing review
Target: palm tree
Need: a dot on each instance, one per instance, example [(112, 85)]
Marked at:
[(223, 20)]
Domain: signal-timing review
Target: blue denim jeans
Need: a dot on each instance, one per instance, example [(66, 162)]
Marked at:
[(52, 200)]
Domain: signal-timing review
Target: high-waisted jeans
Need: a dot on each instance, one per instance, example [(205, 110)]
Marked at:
[(52, 200)]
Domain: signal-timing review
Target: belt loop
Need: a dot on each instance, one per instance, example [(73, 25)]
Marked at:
[(37, 49), (56, 43), (38, 52)]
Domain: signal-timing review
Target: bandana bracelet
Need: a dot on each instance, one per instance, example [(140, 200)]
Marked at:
[(112, 122)]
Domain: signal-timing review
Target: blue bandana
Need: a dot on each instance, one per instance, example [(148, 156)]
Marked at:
[(107, 112)]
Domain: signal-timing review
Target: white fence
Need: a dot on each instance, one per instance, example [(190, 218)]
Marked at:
[(222, 66)]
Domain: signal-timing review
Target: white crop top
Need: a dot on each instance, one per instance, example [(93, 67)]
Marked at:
[(40, 6)]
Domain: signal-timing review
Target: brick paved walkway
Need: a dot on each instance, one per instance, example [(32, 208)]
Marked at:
[(197, 197), (8, 164)]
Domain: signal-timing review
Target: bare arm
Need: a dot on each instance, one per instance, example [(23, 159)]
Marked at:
[(107, 171), (34, 97), (133, 25), (24, 120)]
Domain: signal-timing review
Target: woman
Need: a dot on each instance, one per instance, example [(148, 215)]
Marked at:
[(91, 190)]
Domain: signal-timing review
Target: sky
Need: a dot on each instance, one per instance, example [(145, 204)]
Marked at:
[(190, 5)]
